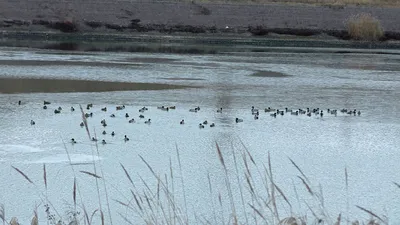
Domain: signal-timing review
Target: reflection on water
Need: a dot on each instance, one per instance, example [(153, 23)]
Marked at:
[(367, 145)]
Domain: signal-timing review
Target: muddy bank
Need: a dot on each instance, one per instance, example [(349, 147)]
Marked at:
[(153, 18), (28, 85)]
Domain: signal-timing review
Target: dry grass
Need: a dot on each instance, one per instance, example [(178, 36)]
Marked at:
[(364, 27), (158, 204)]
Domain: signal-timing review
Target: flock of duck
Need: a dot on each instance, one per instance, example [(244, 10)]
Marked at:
[(254, 112)]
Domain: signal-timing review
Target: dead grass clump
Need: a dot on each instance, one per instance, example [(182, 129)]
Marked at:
[(364, 27)]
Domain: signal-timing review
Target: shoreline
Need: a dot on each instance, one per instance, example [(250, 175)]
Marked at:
[(251, 24)]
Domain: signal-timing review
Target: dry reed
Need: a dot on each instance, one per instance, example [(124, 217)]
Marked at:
[(364, 27)]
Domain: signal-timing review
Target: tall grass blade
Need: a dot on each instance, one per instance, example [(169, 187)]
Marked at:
[(45, 175), (127, 175), (298, 168), (85, 122), (74, 193), (258, 212), (183, 184), (371, 213), (397, 184), (23, 174), (2, 214), (276, 214), (127, 220), (306, 185), (91, 174)]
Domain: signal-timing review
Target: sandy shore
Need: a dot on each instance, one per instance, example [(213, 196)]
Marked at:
[(27, 85), (127, 17)]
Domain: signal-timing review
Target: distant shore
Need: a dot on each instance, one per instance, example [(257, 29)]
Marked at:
[(273, 24)]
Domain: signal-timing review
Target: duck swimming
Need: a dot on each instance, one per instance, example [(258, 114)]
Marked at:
[(104, 109), (147, 122), (126, 115), (46, 103), (182, 122), (212, 125), (201, 126), (32, 122), (103, 142), (219, 110), (112, 115), (82, 124), (238, 120), (126, 138), (73, 141), (57, 111), (113, 133), (104, 132), (131, 120), (72, 109), (94, 139), (45, 107), (141, 116)]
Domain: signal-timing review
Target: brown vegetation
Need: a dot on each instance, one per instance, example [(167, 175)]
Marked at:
[(364, 27)]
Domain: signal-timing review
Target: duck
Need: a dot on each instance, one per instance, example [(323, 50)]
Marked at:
[(88, 106), (273, 115), (256, 117), (19, 102), (212, 125), (104, 132), (269, 109), (103, 121), (103, 142), (46, 103), (201, 126), (172, 107), (147, 121), (322, 113), (59, 108), (205, 122), (104, 124), (182, 122), (57, 111), (359, 112), (104, 109), (141, 116), (219, 110), (32, 122), (113, 133), (253, 110), (73, 141), (165, 109), (126, 115), (131, 120), (120, 107), (198, 108), (126, 138), (296, 113), (72, 109), (82, 124), (238, 120), (94, 139), (193, 110), (112, 115), (45, 107), (141, 110), (160, 107)]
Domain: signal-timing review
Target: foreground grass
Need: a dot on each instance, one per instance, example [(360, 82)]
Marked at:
[(159, 204)]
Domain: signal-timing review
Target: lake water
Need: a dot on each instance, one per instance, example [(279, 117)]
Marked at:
[(323, 147)]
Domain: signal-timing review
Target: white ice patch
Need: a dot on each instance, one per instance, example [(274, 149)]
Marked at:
[(63, 158), (6, 149)]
